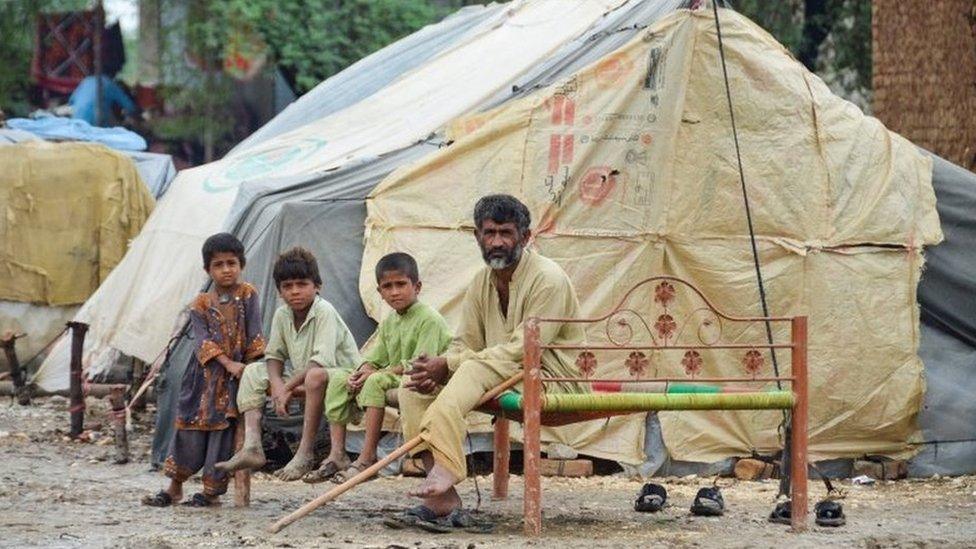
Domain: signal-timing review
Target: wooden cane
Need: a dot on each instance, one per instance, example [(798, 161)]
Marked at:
[(365, 474)]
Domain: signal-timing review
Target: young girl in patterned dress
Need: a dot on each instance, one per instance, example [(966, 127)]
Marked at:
[(226, 329)]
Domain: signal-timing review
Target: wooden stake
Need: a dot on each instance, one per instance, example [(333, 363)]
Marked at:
[(77, 409), (503, 453), (798, 473), (376, 467), (116, 398), (242, 478), (531, 430), (8, 343)]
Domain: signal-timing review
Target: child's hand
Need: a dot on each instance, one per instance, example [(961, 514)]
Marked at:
[(357, 379), (235, 369), (281, 399)]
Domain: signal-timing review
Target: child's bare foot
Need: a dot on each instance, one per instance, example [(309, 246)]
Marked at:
[(298, 467), (439, 480), (246, 458)]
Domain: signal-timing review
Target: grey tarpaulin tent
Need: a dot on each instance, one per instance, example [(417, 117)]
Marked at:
[(325, 212)]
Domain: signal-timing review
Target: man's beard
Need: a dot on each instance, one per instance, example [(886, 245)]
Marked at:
[(501, 262)]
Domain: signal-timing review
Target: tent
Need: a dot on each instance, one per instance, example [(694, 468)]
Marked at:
[(290, 190), (69, 211)]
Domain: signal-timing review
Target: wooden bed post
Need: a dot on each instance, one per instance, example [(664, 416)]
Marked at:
[(532, 411), (502, 447), (798, 461)]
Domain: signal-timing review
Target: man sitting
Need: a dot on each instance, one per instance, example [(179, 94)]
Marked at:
[(515, 285)]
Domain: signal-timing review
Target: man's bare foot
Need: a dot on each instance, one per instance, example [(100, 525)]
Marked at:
[(444, 503), (299, 466), (439, 480), (246, 458)]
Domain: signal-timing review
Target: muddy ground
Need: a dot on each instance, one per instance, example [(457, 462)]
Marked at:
[(55, 492)]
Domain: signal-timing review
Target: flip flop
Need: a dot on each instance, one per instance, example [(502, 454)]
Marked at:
[(349, 472), (160, 499), (829, 513), (410, 517), (466, 521), (325, 472), (782, 513), (708, 503), (651, 498), (199, 500)]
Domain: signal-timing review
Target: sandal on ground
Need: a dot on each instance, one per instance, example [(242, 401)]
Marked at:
[(160, 499), (708, 503), (411, 517), (200, 500), (349, 472), (325, 472), (459, 519), (782, 513), (651, 498), (829, 513)]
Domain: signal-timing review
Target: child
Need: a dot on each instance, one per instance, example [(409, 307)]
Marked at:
[(226, 324), (309, 334), (415, 329)]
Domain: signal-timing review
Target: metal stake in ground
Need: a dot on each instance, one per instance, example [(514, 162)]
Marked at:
[(77, 410), (8, 343)]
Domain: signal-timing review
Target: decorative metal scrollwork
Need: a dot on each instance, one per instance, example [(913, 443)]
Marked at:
[(637, 363), (586, 363), (753, 362), (692, 362)]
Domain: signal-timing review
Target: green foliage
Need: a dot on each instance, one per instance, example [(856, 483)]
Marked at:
[(842, 57)]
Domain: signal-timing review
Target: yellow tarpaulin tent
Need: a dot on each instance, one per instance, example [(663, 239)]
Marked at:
[(69, 212), (629, 169)]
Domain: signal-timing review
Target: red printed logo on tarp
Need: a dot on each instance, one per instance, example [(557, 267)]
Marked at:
[(562, 113), (597, 184)]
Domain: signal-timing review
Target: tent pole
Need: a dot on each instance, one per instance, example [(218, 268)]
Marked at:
[(77, 409), (8, 343)]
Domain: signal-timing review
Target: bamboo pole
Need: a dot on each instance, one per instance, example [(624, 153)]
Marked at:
[(376, 467)]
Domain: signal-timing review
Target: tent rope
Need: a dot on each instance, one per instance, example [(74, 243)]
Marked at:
[(783, 428)]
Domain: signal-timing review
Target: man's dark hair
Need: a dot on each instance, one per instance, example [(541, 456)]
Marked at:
[(295, 264), (502, 208), (399, 262), (222, 243)]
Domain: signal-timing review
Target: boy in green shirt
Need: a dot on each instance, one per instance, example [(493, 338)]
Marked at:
[(308, 345), (415, 329)]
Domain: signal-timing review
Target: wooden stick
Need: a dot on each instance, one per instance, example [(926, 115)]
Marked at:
[(77, 410), (117, 399), (376, 467), (242, 477)]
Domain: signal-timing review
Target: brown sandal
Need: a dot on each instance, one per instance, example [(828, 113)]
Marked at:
[(351, 471), (325, 472)]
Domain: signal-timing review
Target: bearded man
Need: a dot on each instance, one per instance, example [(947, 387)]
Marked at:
[(515, 285)]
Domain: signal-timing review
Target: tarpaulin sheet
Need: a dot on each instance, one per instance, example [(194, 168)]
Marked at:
[(69, 211), (629, 169)]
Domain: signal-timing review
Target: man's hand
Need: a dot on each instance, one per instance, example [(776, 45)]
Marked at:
[(426, 373), (280, 396), (358, 378), (235, 369)]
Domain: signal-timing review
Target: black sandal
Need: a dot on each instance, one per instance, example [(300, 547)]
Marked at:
[(708, 503), (457, 520), (782, 513), (411, 517), (651, 498), (199, 500), (830, 513), (160, 499)]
